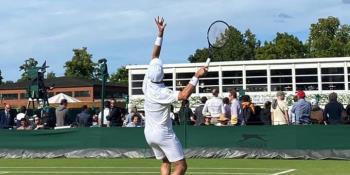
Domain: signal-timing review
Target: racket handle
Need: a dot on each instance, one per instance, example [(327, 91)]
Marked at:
[(207, 62)]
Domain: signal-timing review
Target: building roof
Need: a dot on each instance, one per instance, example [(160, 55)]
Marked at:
[(251, 62), (60, 82)]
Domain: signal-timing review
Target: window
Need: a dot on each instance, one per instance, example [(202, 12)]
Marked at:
[(10, 96), (23, 96), (333, 78), (168, 80), (306, 79), (209, 82), (136, 84), (182, 80), (256, 80), (69, 93), (281, 80), (82, 94), (232, 80)]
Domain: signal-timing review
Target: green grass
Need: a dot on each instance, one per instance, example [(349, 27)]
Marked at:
[(150, 166)]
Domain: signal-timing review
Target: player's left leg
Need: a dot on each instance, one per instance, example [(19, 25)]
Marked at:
[(180, 167), (165, 167)]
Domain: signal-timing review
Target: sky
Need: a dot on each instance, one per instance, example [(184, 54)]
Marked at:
[(123, 32)]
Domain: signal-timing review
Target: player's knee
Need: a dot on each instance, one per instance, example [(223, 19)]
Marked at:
[(181, 166)]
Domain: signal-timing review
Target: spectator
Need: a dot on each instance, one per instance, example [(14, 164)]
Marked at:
[(302, 109), (38, 124), (20, 115), (24, 125), (227, 108), (292, 117), (223, 121), (185, 114), (347, 117), (6, 118), (207, 120), (265, 114), (135, 121), (214, 106), (316, 115), (84, 118), (235, 107), (279, 110), (129, 116), (247, 110), (106, 112), (333, 110), (174, 117), (198, 112), (115, 115), (62, 113)]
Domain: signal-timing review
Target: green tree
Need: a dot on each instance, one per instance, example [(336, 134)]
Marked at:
[(50, 75), (120, 76), (328, 38), (284, 46), (81, 65), (238, 47), (31, 62)]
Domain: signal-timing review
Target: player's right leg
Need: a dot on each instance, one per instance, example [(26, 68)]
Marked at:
[(180, 167), (165, 167)]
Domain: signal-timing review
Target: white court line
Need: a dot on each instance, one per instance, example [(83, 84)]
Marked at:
[(3, 172), (89, 172), (194, 168), (284, 172)]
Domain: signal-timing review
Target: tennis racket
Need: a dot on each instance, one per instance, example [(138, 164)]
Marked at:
[(216, 37)]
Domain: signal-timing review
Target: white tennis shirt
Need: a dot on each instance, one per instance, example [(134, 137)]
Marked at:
[(157, 103)]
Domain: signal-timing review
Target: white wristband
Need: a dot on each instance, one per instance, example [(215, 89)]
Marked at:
[(158, 41), (194, 81)]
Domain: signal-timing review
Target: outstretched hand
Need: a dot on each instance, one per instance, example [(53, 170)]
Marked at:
[(160, 24), (201, 72)]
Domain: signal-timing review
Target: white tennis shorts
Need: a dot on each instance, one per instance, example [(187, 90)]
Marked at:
[(165, 145)]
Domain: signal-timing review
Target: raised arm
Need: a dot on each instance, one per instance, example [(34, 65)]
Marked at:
[(158, 43), (188, 90)]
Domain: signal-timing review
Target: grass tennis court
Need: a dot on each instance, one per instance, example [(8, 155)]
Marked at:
[(196, 166)]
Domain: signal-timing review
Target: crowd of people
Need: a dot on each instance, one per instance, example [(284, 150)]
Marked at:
[(227, 111)]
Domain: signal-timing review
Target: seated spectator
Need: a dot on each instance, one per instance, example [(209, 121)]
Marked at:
[(84, 118), (316, 113), (247, 110), (135, 121), (333, 110), (132, 113), (198, 112), (24, 125), (20, 115), (279, 110), (185, 114), (207, 120), (265, 114), (302, 109), (223, 121), (38, 124)]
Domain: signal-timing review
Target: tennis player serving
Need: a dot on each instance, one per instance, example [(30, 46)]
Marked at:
[(158, 127)]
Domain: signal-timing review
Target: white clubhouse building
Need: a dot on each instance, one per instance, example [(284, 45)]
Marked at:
[(256, 77)]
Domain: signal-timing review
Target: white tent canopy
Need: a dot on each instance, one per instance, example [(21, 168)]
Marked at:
[(57, 98)]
